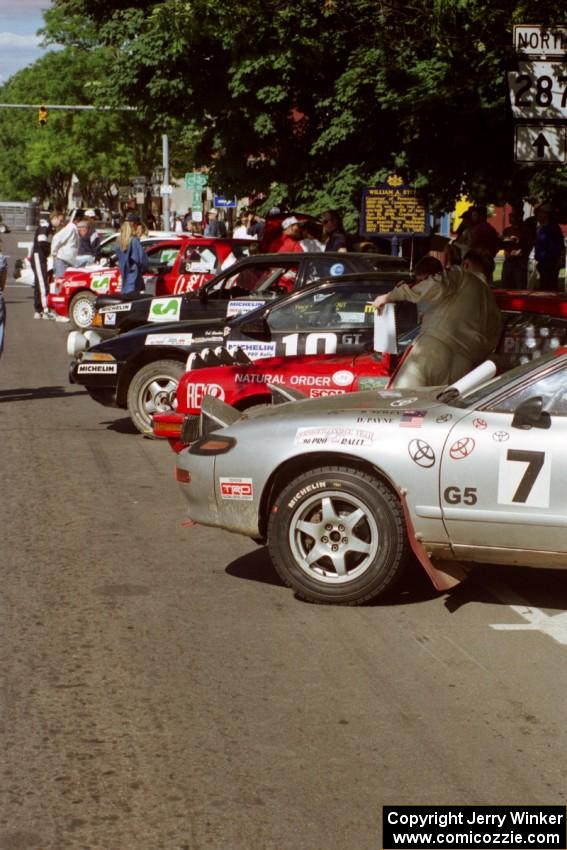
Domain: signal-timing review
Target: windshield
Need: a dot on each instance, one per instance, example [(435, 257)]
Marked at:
[(478, 394)]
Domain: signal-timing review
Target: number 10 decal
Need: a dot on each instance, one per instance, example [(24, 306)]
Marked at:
[(312, 341), (524, 478)]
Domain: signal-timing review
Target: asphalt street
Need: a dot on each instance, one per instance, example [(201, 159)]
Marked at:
[(161, 690)]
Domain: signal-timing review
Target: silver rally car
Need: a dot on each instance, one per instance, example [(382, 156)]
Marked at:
[(347, 489)]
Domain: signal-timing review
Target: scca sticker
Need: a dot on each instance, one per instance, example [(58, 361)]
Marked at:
[(239, 489), (164, 310)]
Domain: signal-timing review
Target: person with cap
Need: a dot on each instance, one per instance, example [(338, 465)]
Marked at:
[(214, 227), (40, 253), (548, 248), (132, 259), (290, 239), (461, 322)]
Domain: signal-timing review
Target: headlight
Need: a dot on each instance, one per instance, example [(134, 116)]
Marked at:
[(98, 356)]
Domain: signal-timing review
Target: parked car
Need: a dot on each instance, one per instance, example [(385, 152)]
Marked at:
[(354, 486), (525, 336), (242, 287), (176, 264), (140, 370)]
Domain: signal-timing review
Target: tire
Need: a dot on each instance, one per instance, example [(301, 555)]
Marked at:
[(82, 310), (366, 561), (152, 390)]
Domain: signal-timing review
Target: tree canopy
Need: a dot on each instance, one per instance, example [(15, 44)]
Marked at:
[(312, 101)]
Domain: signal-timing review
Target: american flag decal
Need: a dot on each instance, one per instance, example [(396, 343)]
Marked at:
[(412, 418)]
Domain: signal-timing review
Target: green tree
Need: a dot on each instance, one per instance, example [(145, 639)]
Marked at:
[(314, 100)]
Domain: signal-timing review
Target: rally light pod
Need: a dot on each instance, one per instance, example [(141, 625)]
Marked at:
[(76, 343)]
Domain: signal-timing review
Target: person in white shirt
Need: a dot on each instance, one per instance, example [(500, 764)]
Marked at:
[(64, 248)]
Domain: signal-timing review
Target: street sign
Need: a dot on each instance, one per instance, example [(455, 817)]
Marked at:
[(539, 90), (541, 143), (165, 190), (224, 203), (393, 209), (530, 40), (196, 181)]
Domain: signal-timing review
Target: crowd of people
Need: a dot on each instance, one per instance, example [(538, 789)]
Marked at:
[(76, 243)]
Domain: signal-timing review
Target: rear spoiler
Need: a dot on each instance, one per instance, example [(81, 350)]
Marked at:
[(281, 395)]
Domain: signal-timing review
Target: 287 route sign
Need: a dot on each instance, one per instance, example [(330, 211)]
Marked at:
[(539, 90)]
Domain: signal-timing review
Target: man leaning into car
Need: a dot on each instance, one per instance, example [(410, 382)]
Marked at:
[(461, 322)]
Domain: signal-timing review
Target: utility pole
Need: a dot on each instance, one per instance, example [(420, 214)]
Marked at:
[(166, 188)]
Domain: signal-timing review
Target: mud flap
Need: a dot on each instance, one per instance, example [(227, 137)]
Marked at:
[(446, 577)]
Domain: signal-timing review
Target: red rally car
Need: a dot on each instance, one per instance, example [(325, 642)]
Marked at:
[(534, 323), (176, 264)]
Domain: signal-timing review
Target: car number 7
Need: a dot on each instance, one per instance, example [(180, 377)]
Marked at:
[(535, 462)]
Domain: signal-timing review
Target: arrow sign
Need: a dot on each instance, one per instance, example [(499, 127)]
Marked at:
[(545, 144), (540, 145)]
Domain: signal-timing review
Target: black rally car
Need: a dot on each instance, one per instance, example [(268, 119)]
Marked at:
[(140, 370), (246, 285)]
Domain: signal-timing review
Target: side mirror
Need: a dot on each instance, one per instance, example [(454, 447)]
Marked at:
[(530, 414), (257, 328)]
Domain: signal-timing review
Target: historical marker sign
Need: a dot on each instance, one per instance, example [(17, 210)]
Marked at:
[(393, 208)]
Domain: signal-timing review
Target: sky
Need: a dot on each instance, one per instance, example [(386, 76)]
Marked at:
[(19, 43)]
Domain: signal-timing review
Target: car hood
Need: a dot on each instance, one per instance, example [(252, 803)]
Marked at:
[(382, 401), (137, 336)]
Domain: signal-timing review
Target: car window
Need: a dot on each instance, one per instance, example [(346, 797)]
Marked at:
[(528, 337), (161, 257), (346, 306), (551, 387), (200, 258)]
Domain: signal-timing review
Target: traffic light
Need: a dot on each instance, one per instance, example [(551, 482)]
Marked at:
[(42, 116)]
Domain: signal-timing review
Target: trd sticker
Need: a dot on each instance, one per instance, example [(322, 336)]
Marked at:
[(97, 368), (169, 339), (195, 393), (421, 453), (455, 496), (334, 436), (462, 448), (524, 478), (116, 308), (237, 489), (164, 310)]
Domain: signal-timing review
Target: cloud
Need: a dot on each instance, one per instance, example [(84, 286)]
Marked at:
[(10, 40)]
